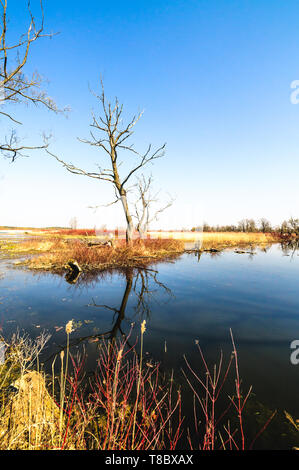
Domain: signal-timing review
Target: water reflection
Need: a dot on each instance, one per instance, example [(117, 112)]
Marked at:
[(142, 282), (72, 276), (290, 247), (119, 313), (146, 295)]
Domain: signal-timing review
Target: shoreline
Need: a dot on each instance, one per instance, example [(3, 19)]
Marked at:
[(54, 254)]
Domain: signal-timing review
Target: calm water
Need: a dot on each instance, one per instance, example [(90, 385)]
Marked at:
[(257, 296)]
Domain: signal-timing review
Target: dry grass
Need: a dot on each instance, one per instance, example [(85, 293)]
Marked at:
[(219, 240), (31, 416), (234, 239), (28, 414), (77, 232), (129, 406), (29, 246), (55, 254)]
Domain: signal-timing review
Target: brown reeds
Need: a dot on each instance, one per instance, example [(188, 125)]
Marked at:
[(58, 253), (128, 404), (217, 434)]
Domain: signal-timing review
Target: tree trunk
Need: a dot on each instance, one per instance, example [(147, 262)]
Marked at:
[(122, 309), (141, 227), (141, 232), (130, 225)]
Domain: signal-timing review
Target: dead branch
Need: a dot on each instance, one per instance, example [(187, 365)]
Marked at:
[(145, 212), (109, 134), (15, 86)]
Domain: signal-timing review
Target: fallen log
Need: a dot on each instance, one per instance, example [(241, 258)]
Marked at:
[(74, 266), (73, 273), (106, 243)]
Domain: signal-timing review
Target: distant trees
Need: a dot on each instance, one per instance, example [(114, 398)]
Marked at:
[(247, 225), (244, 225), (294, 225), (15, 86), (287, 227), (206, 227), (110, 135), (265, 226)]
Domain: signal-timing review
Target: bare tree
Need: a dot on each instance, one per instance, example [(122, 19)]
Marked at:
[(73, 223), (242, 225), (145, 210), (265, 225), (110, 135), (15, 86), (293, 225), (247, 225)]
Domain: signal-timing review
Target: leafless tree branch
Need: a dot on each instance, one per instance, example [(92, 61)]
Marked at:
[(145, 213), (15, 86), (109, 134)]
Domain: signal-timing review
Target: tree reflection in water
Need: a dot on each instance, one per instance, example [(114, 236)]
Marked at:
[(290, 247), (142, 282)]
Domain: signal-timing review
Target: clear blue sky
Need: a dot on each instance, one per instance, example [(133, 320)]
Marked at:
[(214, 80)]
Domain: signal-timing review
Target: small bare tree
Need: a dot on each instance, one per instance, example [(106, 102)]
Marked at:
[(73, 223), (111, 137), (15, 86), (145, 210)]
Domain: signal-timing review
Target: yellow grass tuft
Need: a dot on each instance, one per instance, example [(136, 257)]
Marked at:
[(233, 239), (140, 252), (30, 417), (229, 238)]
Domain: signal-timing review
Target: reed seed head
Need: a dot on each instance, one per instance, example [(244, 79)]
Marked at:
[(119, 356), (69, 328)]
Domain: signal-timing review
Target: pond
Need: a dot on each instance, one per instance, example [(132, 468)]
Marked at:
[(256, 295)]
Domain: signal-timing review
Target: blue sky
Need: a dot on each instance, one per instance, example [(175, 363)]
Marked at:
[(214, 79)]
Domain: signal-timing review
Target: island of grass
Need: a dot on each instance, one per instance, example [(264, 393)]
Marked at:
[(57, 254), (60, 251)]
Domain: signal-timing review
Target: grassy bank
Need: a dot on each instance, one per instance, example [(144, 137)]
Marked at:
[(56, 253)]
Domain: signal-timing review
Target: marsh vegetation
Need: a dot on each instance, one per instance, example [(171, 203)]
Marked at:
[(78, 373)]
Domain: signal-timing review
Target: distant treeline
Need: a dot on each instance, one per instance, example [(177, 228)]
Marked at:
[(13, 227), (250, 225)]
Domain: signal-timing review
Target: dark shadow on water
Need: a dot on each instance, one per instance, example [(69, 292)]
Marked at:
[(138, 282)]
